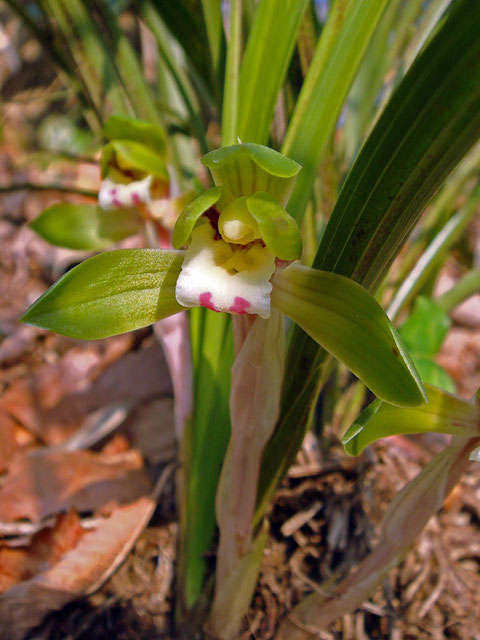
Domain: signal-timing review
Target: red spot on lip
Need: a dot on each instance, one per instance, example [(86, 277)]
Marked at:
[(240, 306), (115, 200), (136, 198), (206, 301)]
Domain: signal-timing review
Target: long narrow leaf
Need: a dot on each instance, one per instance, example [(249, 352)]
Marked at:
[(267, 55), (325, 89)]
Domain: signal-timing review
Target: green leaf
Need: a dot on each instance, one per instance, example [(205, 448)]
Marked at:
[(135, 156), (349, 323), (245, 169), (434, 255), (85, 227), (337, 56), (123, 128), (426, 327), (111, 293), (212, 13), (205, 443), (232, 72), (461, 290), (429, 124), (279, 231), (269, 48), (190, 215), (423, 333), (443, 413)]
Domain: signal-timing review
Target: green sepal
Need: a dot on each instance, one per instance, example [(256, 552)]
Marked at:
[(85, 227), (135, 156), (189, 216), (278, 229), (111, 293), (245, 169), (125, 128), (443, 413), (349, 323)]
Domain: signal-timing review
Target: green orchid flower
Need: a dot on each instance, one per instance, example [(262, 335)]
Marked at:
[(133, 164)]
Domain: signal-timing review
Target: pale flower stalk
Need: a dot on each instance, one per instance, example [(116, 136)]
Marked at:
[(257, 376)]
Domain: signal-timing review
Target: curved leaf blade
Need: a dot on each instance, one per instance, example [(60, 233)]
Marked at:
[(349, 323), (443, 413), (337, 56), (265, 63), (111, 293), (85, 227)]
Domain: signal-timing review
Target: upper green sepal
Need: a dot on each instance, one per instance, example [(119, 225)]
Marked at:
[(278, 229), (125, 155), (349, 323), (125, 128), (85, 227), (189, 216), (245, 169), (111, 293), (443, 413)]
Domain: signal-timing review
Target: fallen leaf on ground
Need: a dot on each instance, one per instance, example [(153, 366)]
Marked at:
[(7, 439), (40, 483), (79, 572), (47, 547), (54, 400)]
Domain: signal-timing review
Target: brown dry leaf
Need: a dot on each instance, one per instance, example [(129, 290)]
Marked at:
[(40, 483), (79, 572), (7, 439), (47, 547), (54, 400), (31, 401)]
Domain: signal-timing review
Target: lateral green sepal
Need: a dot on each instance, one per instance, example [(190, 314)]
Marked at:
[(443, 413), (127, 155), (111, 293), (85, 227), (190, 215), (278, 229), (349, 323), (245, 169)]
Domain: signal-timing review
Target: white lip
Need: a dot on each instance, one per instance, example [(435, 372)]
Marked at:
[(114, 195), (204, 281)]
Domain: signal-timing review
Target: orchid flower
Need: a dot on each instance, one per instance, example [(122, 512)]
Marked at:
[(241, 259), (133, 164)]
